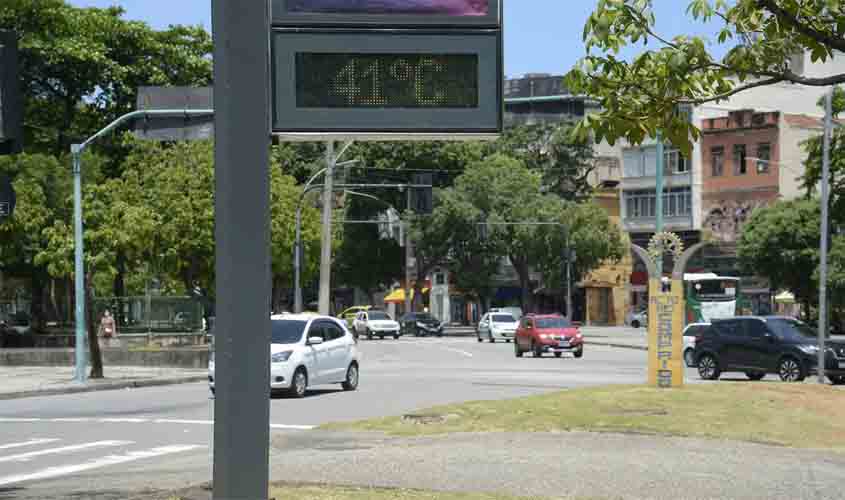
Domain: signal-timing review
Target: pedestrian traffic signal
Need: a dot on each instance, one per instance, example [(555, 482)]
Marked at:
[(11, 107)]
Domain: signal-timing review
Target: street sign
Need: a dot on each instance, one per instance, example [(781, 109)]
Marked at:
[(175, 128), (7, 198), (378, 69), (665, 337)]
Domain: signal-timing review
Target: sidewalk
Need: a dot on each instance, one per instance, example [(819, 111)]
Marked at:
[(33, 381), (616, 336)]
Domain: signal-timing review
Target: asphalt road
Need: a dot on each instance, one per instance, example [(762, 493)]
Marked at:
[(108, 444)]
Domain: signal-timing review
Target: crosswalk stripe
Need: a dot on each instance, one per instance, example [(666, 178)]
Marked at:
[(107, 461), (31, 442), (64, 449)]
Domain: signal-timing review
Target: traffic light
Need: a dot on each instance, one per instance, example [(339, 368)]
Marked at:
[(11, 107), (421, 197)]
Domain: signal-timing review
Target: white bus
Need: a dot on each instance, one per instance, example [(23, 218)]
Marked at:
[(710, 296)]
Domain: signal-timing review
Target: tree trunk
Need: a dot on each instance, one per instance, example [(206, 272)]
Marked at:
[(521, 268), (36, 308), (93, 340)]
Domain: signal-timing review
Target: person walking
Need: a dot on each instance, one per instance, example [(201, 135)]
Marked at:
[(108, 326)]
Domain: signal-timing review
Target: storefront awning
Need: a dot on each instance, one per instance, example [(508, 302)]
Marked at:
[(785, 298), (398, 296)]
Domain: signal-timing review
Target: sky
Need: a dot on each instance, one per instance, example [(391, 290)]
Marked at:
[(541, 36)]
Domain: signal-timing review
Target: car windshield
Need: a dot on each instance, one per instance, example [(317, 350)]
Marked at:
[(423, 317), (287, 331), (503, 318), (553, 323), (378, 316), (790, 329)]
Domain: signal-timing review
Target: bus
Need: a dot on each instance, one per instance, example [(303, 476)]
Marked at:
[(709, 296)]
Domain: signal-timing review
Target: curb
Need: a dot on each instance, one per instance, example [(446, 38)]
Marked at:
[(619, 346), (111, 386)]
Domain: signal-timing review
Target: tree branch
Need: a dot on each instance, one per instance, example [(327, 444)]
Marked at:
[(742, 88), (819, 36)]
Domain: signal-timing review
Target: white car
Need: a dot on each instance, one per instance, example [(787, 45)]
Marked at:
[(308, 350), (692, 331), (375, 323), (497, 326), (516, 312)]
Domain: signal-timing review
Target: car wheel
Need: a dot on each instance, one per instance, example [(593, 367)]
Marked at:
[(516, 350), (418, 333), (537, 350), (351, 382), (492, 340), (790, 370), (299, 384), (689, 357), (837, 379), (381, 337), (558, 354), (708, 368), (755, 375), (369, 334), (579, 353), (395, 336), (635, 324), (480, 339)]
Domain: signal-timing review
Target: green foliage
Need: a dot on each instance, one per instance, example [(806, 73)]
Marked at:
[(81, 67), (640, 97), (813, 174), (564, 160)]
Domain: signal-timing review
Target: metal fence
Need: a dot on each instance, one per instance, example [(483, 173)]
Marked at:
[(154, 314)]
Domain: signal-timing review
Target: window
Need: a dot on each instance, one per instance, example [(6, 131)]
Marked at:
[(731, 328), (331, 332), (675, 162), (740, 166), (632, 163), (503, 318), (757, 329), (553, 323), (677, 202), (440, 279), (717, 161), (695, 330), (379, 316), (764, 154), (287, 331)]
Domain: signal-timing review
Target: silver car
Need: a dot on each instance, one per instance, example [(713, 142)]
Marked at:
[(497, 326)]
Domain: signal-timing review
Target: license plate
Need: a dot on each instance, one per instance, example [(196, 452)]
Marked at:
[(563, 344)]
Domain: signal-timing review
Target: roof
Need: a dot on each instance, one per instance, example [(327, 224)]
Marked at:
[(306, 316), (761, 318), (533, 315), (806, 121)]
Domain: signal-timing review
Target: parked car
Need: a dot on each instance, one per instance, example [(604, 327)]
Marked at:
[(375, 322), (349, 314), (539, 334), (15, 330), (308, 350), (497, 325), (759, 345), (516, 312), (691, 333), (420, 325), (638, 319)]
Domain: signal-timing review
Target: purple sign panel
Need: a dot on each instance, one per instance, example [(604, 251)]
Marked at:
[(423, 7)]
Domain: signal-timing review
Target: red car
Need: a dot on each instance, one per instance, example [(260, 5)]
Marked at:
[(544, 333)]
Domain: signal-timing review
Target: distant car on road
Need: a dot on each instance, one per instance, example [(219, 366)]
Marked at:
[(758, 345), (539, 334), (637, 320), (307, 350), (375, 322), (350, 313), (15, 330), (420, 325), (691, 333), (497, 325)]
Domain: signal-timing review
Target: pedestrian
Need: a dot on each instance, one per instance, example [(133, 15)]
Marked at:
[(108, 327)]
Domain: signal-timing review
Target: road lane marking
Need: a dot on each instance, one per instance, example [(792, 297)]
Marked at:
[(23, 457), (31, 442), (459, 351), (110, 460), (142, 421)]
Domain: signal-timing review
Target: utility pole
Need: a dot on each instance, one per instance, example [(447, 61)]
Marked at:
[(409, 255), (658, 202), (79, 266), (326, 239), (828, 126)]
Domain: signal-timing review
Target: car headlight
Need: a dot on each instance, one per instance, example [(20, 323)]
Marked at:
[(809, 348), (546, 336), (281, 357)]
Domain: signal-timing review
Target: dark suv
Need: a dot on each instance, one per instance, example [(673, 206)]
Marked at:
[(762, 345)]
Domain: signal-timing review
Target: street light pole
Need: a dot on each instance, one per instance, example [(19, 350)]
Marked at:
[(658, 202), (297, 250), (326, 238), (828, 125)]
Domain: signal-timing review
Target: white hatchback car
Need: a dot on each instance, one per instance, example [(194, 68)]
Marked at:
[(497, 326), (374, 322), (308, 350)]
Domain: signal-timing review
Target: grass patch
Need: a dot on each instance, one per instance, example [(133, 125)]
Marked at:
[(356, 493), (795, 415)]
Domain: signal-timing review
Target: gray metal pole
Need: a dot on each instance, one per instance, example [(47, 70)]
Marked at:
[(79, 266), (241, 32), (326, 237), (297, 261), (828, 126), (568, 280), (409, 255), (658, 202)]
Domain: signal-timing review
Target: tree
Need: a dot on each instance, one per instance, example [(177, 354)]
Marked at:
[(781, 242), (81, 67), (640, 97), (814, 149), (565, 162)]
